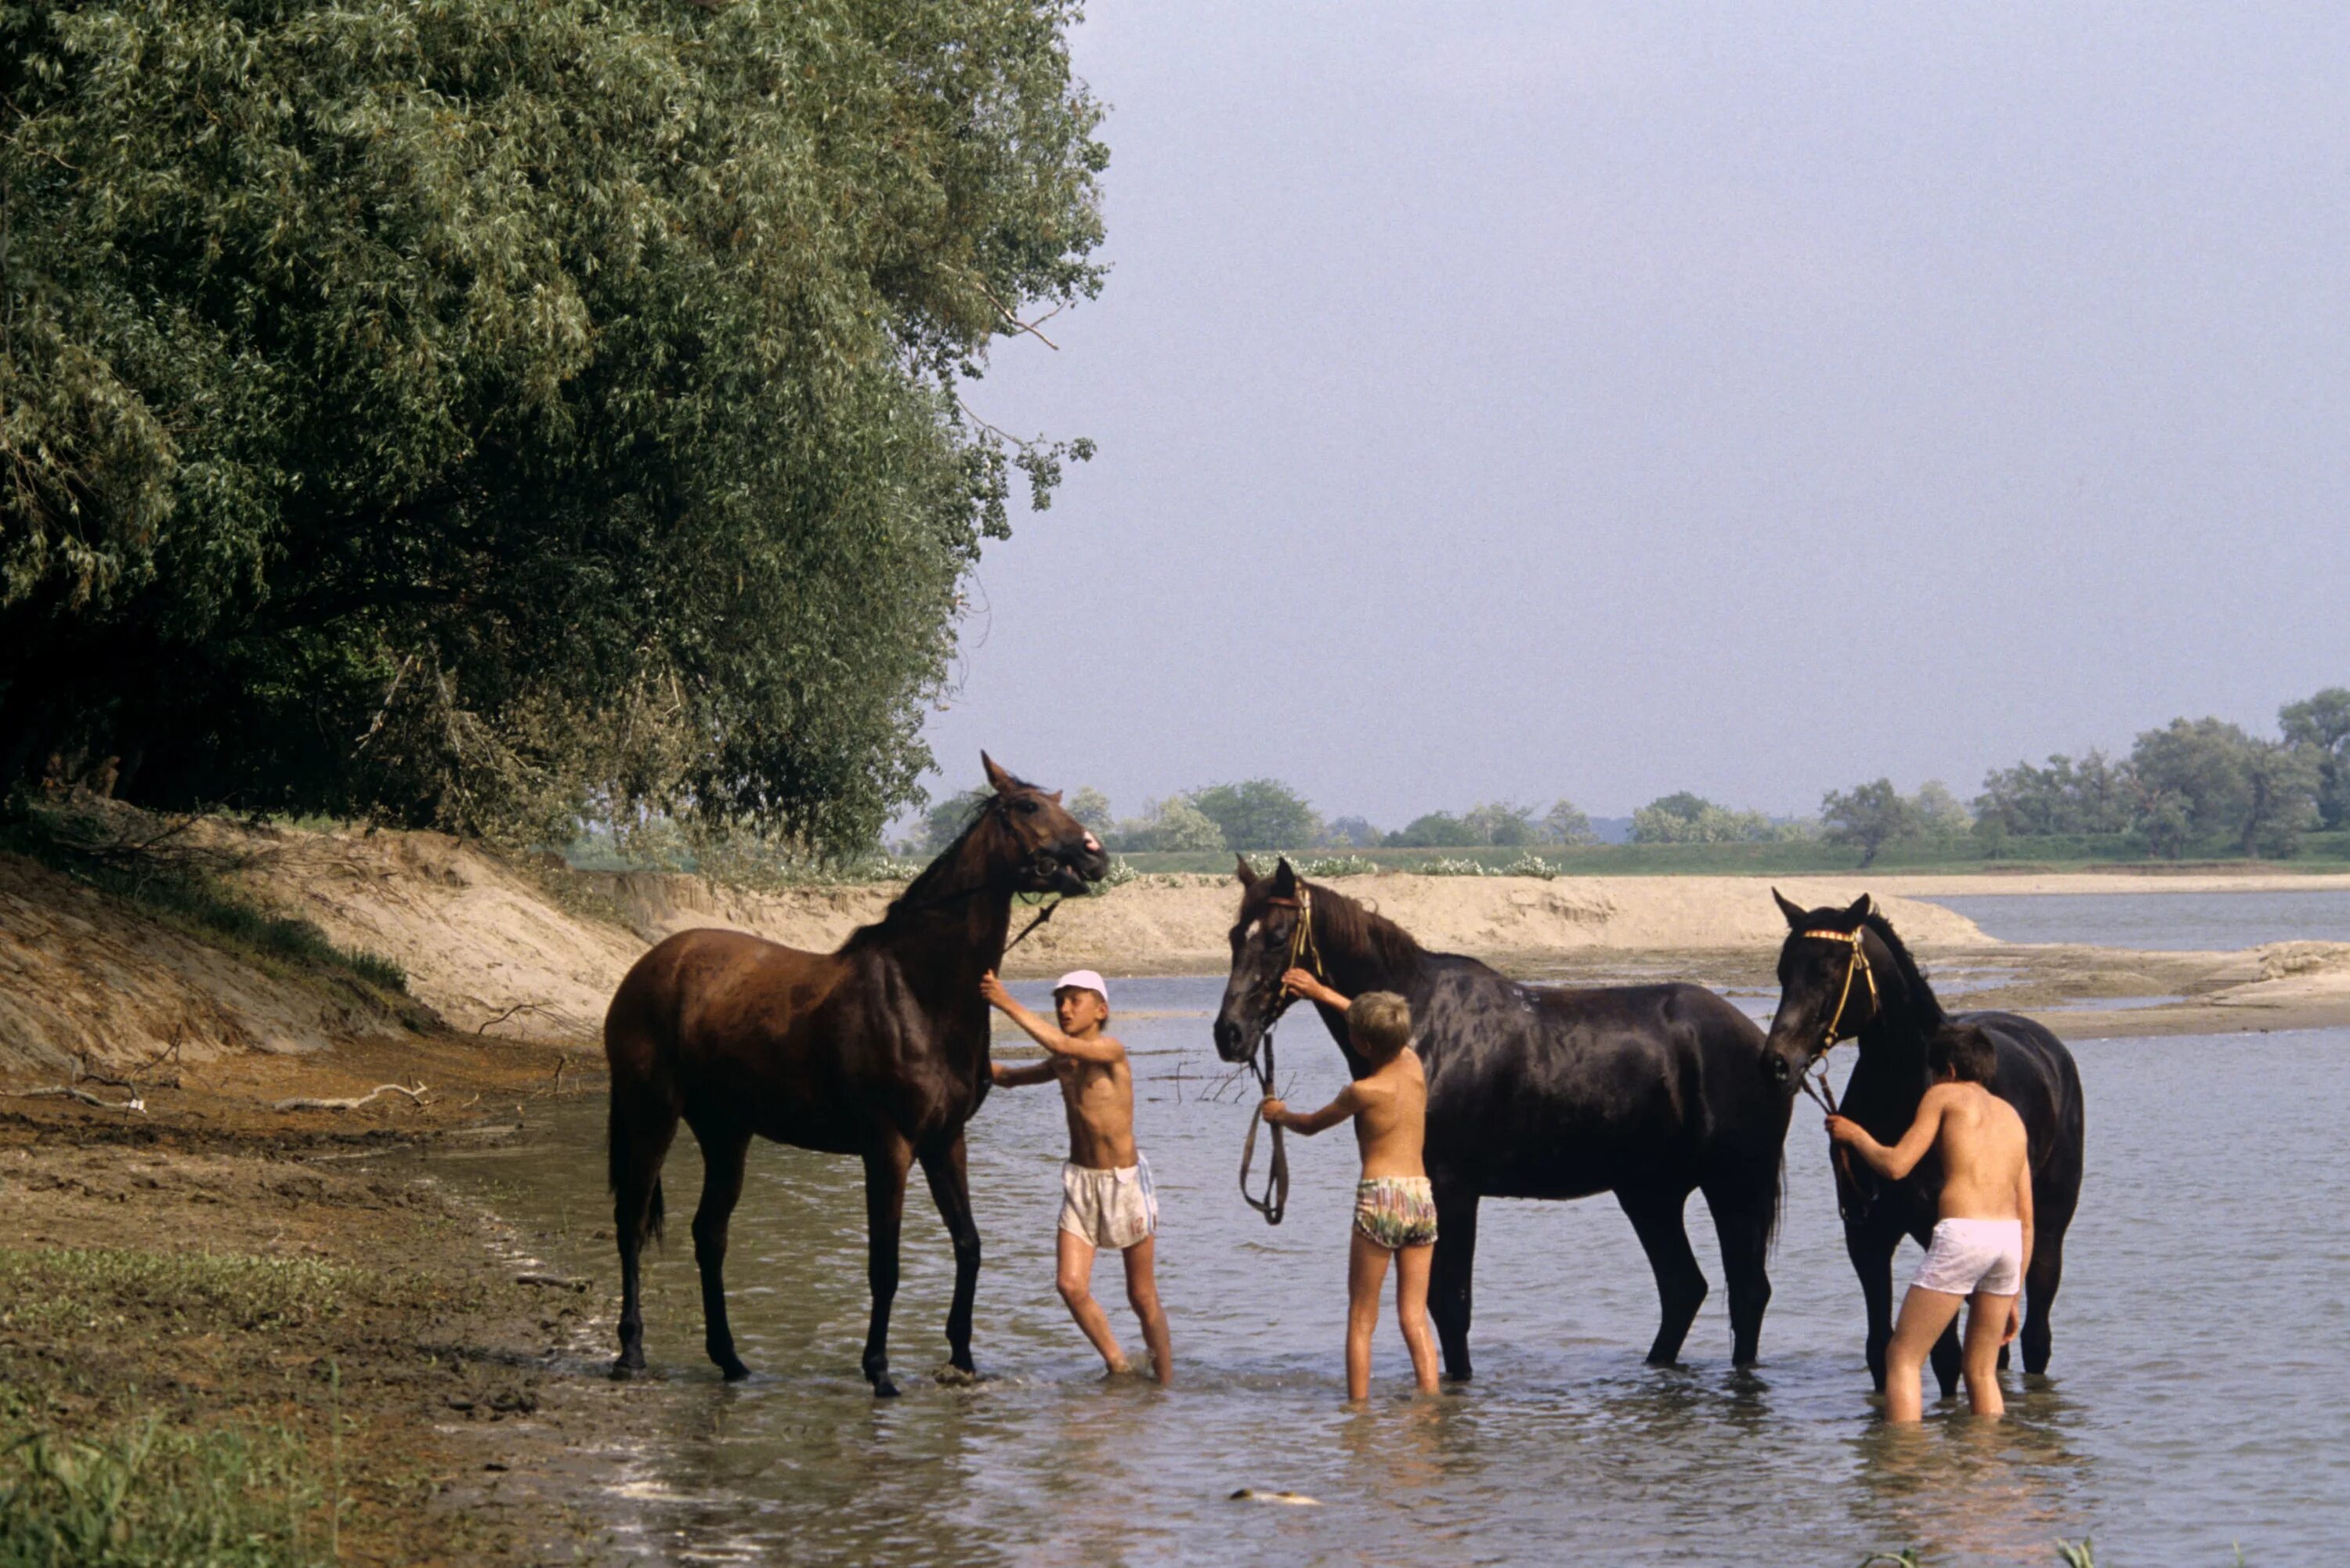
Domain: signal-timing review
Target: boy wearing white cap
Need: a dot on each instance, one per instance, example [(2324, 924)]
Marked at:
[(1106, 1197)]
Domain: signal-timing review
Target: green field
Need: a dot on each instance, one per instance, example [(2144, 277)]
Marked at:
[(2102, 852)]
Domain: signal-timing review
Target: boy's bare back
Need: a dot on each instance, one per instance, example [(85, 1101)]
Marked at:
[(1391, 1117), (1986, 1159)]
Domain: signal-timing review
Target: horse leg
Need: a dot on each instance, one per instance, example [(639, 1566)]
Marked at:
[(1450, 1293), (723, 1150), (885, 1209), (1744, 1212), (638, 1136), (945, 1170), (1656, 1215), (1872, 1262), (2041, 1280)]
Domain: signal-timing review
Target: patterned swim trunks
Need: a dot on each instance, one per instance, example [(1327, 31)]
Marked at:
[(1395, 1210)]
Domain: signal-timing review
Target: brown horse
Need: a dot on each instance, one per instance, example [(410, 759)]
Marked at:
[(878, 1050)]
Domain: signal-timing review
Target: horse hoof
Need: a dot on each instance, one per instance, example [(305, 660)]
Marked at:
[(952, 1376), (627, 1368), (883, 1388), (734, 1371)]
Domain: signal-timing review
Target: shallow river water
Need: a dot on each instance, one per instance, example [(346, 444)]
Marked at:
[(2197, 1400), (2161, 922)]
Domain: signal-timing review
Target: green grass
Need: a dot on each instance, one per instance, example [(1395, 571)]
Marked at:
[(178, 892), (151, 1497), (71, 1290), (2318, 852)]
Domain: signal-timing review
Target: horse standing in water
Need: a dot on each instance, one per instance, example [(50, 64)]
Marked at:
[(1650, 1091), (1843, 973), (880, 1050)]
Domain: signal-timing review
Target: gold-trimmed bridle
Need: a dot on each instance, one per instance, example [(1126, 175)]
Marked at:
[(1813, 1080), (1303, 949)]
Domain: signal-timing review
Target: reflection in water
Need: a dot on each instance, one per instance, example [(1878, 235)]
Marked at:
[(2167, 1433), (1976, 1489)]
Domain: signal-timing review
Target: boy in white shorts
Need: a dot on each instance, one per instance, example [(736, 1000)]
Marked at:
[(1984, 1235), (1106, 1197)]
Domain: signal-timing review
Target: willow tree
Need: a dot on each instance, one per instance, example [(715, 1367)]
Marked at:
[(476, 411)]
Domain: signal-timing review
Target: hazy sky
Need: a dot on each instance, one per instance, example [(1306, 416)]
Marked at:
[(1554, 400)]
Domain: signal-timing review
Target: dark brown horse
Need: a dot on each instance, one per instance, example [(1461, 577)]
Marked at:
[(1651, 1092), (878, 1050), (1844, 974)]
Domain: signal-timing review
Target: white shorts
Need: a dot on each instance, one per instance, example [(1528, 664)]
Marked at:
[(1112, 1208), (1972, 1257)]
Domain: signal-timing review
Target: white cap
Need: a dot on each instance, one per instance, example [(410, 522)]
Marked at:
[(1082, 980)]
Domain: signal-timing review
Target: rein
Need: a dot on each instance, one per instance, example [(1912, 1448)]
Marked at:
[(1302, 948), (1848, 1197)]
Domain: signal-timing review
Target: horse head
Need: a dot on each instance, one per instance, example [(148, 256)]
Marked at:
[(1025, 834), (1827, 985), (1262, 938)]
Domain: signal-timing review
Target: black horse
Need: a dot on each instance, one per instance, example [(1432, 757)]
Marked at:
[(1844, 974), (1649, 1091)]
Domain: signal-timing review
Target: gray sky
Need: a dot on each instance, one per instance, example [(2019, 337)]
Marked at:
[(1542, 400)]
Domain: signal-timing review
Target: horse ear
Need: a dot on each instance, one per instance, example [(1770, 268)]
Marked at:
[(998, 780), (1861, 908), (1284, 880), (1054, 797), (1794, 913), (1244, 871)]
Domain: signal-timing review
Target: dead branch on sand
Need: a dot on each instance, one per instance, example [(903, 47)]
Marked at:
[(61, 1092), (355, 1102)]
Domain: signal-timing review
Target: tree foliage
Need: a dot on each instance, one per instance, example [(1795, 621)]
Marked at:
[(1686, 818), (2322, 723), (1259, 813), (1869, 816), (474, 413)]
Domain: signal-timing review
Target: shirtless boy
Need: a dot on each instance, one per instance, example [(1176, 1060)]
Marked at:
[(1985, 1231), (1106, 1197), (1395, 1209)]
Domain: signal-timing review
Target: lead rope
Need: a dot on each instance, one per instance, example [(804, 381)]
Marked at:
[(1302, 946), (1815, 1084)]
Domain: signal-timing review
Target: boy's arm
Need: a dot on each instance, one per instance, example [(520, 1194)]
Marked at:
[(2023, 1204), (1902, 1158), (1018, 1077), (1101, 1048), (1301, 982), (1338, 1110), (2023, 1208)]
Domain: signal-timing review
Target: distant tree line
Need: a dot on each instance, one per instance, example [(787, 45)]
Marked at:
[(1266, 814), (2192, 781)]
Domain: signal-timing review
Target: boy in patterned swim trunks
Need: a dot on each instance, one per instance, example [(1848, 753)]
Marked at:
[(1106, 1197), (1395, 1210)]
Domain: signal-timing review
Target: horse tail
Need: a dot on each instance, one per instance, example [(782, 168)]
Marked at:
[(620, 1157)]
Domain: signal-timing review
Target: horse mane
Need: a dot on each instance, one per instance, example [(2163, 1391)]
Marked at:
[(925, 890), (1927, 1006), (1352, 924)]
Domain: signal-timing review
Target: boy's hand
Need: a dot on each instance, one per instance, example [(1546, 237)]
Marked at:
[(1843, 1129), (1301, 982), (2015, 1320), (1272, 1110), (992, 991)]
